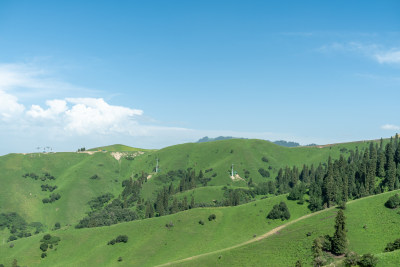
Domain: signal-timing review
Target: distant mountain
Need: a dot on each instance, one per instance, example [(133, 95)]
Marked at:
[(279, 142), (286, 143), (208, 139)]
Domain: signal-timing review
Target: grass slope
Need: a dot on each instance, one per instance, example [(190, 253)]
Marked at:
[(72, 172), (292, 243), (245, 154), (150, 242)]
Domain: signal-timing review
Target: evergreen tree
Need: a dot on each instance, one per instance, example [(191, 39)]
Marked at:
[(339, 240), (381, 164)]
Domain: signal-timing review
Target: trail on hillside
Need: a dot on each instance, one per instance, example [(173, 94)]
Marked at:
[(258, 238), (267, 234)]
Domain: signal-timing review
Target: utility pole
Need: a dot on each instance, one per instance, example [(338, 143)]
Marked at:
[(157, 166)]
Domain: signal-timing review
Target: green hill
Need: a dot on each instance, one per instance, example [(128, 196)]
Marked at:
[(117, 148), (70, 180)]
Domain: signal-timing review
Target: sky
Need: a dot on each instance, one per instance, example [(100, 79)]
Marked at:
[(151, 74)]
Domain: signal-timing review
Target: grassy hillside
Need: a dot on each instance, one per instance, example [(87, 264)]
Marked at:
[(244, 154), (150, 242), (292, 243), (72, 172)]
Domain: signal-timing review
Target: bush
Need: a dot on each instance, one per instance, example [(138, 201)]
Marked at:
[(47, 237), (264, 173), (57, 226), (280, 211), (11, 245), (212, 217), (393, 202), (44, 247), (44, 255), (368, 260), (121, 238), (352, 259), (120, 259), (265, 159), (201, 222), (392, 246)]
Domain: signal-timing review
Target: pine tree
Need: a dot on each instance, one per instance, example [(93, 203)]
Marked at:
[(339, 240), (381, 164)]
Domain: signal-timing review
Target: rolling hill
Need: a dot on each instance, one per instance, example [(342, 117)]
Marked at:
[(28, 179)]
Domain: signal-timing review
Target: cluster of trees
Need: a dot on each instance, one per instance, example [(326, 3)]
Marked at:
[(17, 226), (47, 187), (112, 213), (81, 149), (98, 202), (119, 239), (163, 206), (53, 197), (48, 242), (279, 211), (34, 176), (337, 244), (366, 172)]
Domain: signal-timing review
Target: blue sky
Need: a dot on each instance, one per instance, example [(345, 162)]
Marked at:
[(156, 73)]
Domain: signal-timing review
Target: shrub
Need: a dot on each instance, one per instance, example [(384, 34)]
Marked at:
[(393, 202), (393, 245), (57, 225), (212, 217), (201, 222), (47, 237), (265, 159), (44, 255), (352, 259), (368, 260), (44, 247), (121, 238), (120, 259), (264, 173), (11, 245)]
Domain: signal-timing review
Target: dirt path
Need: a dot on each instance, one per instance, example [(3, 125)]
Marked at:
[(258, 238)]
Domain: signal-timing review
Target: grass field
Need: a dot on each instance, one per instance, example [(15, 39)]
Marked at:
[(150, 242), (292, 243)]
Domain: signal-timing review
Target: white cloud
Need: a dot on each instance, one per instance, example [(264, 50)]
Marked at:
[(376, 52), (9, 106), (56, 107), (388, 57), (89, 115), (390, 127)]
